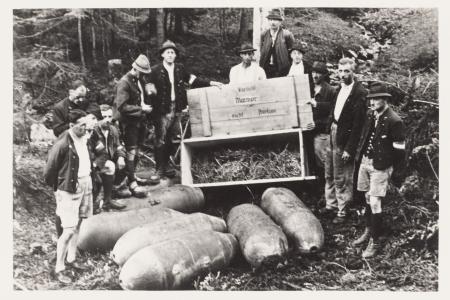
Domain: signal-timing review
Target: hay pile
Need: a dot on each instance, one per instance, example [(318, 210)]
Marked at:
[(246, 162)]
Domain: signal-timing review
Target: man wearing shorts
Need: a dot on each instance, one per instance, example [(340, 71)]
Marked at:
[(68, 171), (382, 143)]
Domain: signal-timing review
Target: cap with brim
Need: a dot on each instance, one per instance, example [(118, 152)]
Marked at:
[(299, 47), (142, 64), (275, 14), (168, 45), (245, 48), (378, 90)]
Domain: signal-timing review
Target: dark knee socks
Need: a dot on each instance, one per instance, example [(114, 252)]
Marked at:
[(58, 225), (107, 181), (376, 226)]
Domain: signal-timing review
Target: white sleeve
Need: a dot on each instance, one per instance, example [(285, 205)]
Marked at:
[(232, 75), (262, 74)]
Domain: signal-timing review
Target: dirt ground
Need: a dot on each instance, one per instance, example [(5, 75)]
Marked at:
[(407, 262)]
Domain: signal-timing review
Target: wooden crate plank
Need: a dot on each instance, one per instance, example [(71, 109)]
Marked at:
[(206, 121), (185, 163), (303, 94), (248, 125), (251, 111)]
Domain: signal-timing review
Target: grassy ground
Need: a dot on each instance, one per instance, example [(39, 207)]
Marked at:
[(407, 262)]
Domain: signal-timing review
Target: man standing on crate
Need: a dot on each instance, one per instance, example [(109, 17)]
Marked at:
[(381, 146), (131, 110), (247, 70), (346, 118), (68, 172), (274, 46), (170, 100)]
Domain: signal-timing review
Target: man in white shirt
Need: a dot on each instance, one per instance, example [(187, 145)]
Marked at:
[(248, 70), (68, 171), (170, 79), (347, 115)]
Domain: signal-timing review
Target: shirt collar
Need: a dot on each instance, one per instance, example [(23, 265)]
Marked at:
[(379, 114), (348, 87), (167, 66)]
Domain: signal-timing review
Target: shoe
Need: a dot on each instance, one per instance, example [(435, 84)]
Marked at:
[(62, 277), (339, 219), (363, 238), (77, 266), (326, 211), (115, 204), (372, 249), (169, 172), (124, 193), (137, 191), (155, 178), (141, 181)]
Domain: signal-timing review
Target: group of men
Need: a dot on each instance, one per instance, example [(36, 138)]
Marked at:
[(345, 134)]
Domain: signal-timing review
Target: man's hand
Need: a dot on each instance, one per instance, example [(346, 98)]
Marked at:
[(147, 108), (345, 156), (310, 126), (121, 163), (216, 83), (313, 102)]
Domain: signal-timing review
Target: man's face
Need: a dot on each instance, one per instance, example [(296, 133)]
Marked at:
[(317, 77), (346, 73), (274, 24), (107, 119), (79, 127), (247, 57), (169, 55), (78, 95), (296, 56), (378, 104)]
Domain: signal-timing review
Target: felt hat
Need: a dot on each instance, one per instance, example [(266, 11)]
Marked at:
[(377, 90), (298, 46), (245, 48), (168, 45), (142, 64), (275, 14), (320, 67)]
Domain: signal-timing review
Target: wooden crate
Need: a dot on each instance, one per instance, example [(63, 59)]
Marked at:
[(272, 104), (190, 146)]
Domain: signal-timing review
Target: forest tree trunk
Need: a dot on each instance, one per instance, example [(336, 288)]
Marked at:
[(80, 41), (160, 32), (243, 27)]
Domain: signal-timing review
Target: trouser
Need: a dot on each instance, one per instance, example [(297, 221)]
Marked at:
[(342, 177), (165, 127)]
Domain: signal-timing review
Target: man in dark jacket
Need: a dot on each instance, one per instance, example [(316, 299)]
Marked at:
[(131, 109), (299, 65), (68, 172), (345, 124), (324, 95), (170, 100), (382, 144), (109, 159), (76, 100), (274, 46)]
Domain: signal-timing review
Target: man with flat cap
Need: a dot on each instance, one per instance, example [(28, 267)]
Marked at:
[(169, 79), (299, 66), (247, 70), (131, 109), (274, 46), (382, 145)]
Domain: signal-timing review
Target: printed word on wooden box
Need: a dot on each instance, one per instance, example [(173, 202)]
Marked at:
[(272, 104)]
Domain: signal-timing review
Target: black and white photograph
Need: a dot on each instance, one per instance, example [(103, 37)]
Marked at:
[(238, 148)]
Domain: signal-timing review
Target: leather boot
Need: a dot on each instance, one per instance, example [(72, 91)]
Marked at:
[(372, 249), (131, 169), (137, 191), (363, 238), (107, 193), (168, 170), (159, 157)]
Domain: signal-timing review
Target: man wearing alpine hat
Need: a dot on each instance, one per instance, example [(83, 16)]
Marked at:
[(382, 145), (247, 70), (131, 109)]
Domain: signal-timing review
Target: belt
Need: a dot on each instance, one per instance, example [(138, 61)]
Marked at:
[(334, 121)]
